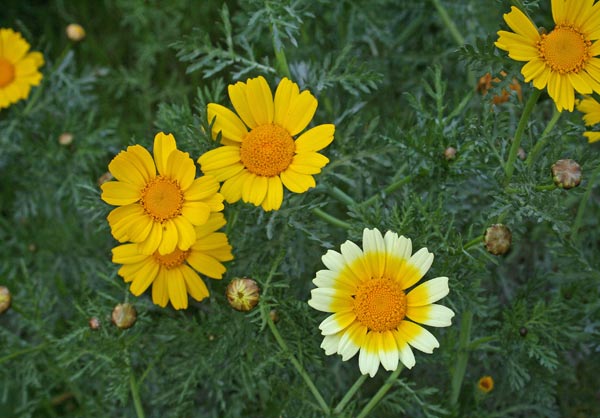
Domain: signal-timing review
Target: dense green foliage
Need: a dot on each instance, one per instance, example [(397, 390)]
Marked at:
[(400, 90)]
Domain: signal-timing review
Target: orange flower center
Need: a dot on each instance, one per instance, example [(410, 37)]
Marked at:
[(162, 199), (565, 49), (267, 150), (171, 260), (7, 72), (380, 304)]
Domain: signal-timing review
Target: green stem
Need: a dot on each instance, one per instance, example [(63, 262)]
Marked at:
[(449, 23), (543, 139), (338, 409), (296, 364), (583, 203), (512, 156), (380, 393), (135, 394), (389, 189), (281, 63), (342, 196), (545, 187), (462, 357), (473, 242), (21, 352), (331, 219)]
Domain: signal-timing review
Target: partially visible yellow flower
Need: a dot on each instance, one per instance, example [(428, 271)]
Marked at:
[(591, 116), (75, 32), (486, 384), (563, 59), (159, 210), (260, 154), (19, 69), (366, 291), (175, 275)]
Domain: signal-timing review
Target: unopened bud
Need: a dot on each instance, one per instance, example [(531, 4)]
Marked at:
[(274, 315), (94, 323), (450, 153), (497, 239), (521, 153), (523, 331), (75, 32), (5, 299), (32, 247), (486, 384), (566, 173), (104, 178), (243, 294), (124, 315), (65, 138)]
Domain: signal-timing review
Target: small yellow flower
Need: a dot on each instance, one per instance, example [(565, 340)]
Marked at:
[(260, 154), (591, 116), (159, 210), (366, 291), (19, 69), (564, 59), (174, 275), (486, 384), (75, 32)]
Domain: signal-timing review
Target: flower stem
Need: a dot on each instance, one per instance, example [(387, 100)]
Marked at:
[(449, 23), (545, 187), (512, 155), (338, 409), (583, 203), (281, 62), (135, 394), (543, 139), (331, 219), (23, 351), (473, 242), (380, 393), (462, 357), (301, 371)]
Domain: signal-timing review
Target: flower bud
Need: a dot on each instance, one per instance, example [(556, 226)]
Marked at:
[(243, 294), (124, 315), (65, 138), (75, 32), (566, 173), (5, 299), (497, 239), (104, 178), (521, 153), (274, 315), (523, 331), (450, 153), (94, 323), (486, 384)]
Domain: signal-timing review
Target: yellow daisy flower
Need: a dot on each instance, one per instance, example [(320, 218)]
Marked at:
[(563, 59), (159, 210), (260, 152), (174, 275), (591, 116), (366, 290), (18, 68), (486, 384)]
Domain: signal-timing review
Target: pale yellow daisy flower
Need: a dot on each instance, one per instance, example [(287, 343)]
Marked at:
[(259, 154), (160, 200), (564, 59), (375, 309)]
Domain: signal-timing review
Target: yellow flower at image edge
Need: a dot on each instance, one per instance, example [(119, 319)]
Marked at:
[(18, 68), (366, 291), (563, 59), (591, 116), (174, 275), (260, 154), (159, 210)]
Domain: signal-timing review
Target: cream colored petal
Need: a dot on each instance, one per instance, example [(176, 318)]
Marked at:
[(237, 95), (164, 145), (375, 251), (388, 351), (418, 337), (352, 340), (315, 139), (429, 292), (433, 315), (330, 300), (415, 268), (331, 343), (405, 353), (368, 359), (337, 322), (231, 127)]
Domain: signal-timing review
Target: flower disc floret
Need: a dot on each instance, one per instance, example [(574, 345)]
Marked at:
[(267, 150), (380, 304)]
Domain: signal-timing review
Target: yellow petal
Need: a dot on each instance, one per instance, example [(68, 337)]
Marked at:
[(308, 163), (126, 167), (160, 291), (14, 46), (418, 337), (520, 23), (274, 196), (202, 188), (194, 284), (226, 122), (169, 239), (286, 93), (181, 168), (206, 265), (196, 212), (260, 100), (152, 241), (254, 189), (177, 289), (219, 158), (186, 233), (315, 139), (237, 95), (232, 188), (214, 222), (127, 254), (297, 182), (164, 145), (119, 193), (144, 278), (301, 111)]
